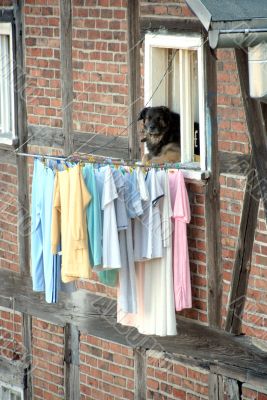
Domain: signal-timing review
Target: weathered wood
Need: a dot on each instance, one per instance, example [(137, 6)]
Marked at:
[(215, 387), (212, 349), (212, 197), (134, 76), (27, 349), (71, 362), (242, 262), (148, 24), (234, 164), (7, 156), (6, 15), (232, 389), (12, 372), (66, 73), (22, 132), (108, 146), (256, 125), (140, 374)]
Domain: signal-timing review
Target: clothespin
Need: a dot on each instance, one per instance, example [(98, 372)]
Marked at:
[(91, 159)]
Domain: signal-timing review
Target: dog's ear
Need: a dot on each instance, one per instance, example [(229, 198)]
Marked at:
[(165, 109), (142, 114)]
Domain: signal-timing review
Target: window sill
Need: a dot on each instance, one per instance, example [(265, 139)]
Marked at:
[(7, 144), (197, 175), (194, 172)]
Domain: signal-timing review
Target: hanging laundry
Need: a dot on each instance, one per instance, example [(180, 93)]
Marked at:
[(147, 228), (127, 281), (155, 298), (158, 316), (181, 217), (69, 219), (45, 266), (94, 217)]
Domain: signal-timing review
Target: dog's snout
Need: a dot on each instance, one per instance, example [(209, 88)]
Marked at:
[(152, 127)]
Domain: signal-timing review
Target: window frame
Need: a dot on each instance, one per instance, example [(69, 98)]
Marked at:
[(11, 388), (177, 41), (7, 28)]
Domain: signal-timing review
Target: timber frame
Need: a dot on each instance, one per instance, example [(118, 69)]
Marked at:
[(231, 360)]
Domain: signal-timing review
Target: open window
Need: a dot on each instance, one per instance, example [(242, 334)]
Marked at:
[(174, 77), (7, 122)]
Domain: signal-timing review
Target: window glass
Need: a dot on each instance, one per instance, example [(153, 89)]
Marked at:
[(6, 84)]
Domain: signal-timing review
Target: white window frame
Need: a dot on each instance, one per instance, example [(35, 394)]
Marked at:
[(153, 75), (7, 107), (11, 388)]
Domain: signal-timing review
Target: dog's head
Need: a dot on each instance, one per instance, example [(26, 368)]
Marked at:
[(156, 122)]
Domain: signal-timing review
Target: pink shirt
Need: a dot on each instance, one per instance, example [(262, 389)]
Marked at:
[(181, 217)]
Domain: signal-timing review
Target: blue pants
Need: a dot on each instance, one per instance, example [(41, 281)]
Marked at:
[(45, 266)]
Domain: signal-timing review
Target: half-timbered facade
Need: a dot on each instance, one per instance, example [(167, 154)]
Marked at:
[(78, 74)]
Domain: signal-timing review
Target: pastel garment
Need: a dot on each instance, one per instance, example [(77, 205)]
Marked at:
[(111, 248), (127, 281), (45, 266), (181, 217), (94, 217), (71, 199), (147, 228), (108, 277), (133, 199), (155, 297)]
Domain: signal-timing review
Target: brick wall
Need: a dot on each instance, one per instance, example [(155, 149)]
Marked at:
[(106, 370), (232, 193), (43, 89), (255, 312), (10, 334), (197, 253), (251, 393), (100, 66), (232, 127), (48, 360), (169, 379), (165, 8)]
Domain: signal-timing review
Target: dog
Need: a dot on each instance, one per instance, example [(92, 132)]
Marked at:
[(162, 134)]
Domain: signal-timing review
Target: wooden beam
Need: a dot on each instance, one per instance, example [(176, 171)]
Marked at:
[(212, 197), (256, 125), (66, 73), (148, 24), (242, 264), (72, 362), (116, 146), (233, 389), (22, 133), (27, 348), (140, 374), (234, 164), (7, 157), (134, 76), (212, 349), (216, 391), (12, 372)]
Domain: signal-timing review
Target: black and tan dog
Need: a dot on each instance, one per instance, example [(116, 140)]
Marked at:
[(162, 134)]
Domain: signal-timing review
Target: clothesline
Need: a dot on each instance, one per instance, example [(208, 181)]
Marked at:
[(87, 158)]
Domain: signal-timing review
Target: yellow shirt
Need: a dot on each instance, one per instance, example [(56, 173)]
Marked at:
[(69, 221)]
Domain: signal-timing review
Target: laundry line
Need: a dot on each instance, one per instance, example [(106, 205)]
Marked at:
[(87, 158)]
